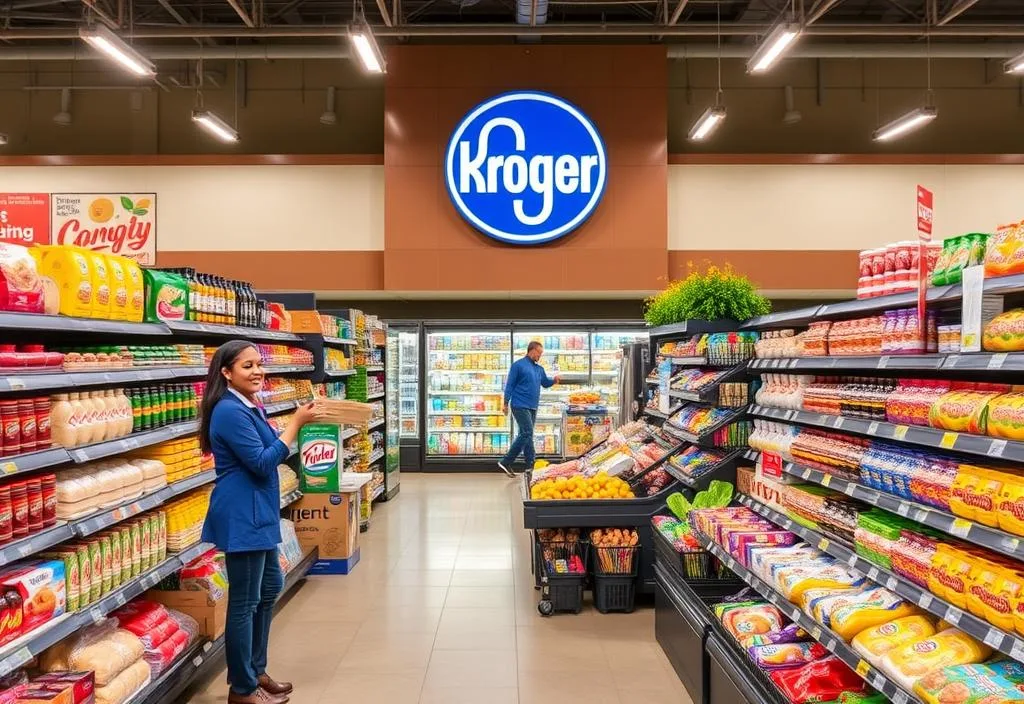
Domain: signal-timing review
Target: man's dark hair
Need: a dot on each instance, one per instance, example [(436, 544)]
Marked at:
[(534, 345)]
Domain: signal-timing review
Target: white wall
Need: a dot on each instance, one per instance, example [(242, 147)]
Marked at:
[(228, 208), (831, 206)]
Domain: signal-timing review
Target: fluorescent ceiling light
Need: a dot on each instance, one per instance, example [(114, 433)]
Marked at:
[(707, 123), (905, 123), (1015, 65), (216, 126), (106, 42), (774, 45), (366, 48)]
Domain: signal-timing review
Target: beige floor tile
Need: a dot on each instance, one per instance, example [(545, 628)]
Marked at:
[(470, 695), (483, 636), (567, 687), (389, 654), (483, 578), (393, 596), (358, 685), (419, 578), (470, 668), (480, 597)]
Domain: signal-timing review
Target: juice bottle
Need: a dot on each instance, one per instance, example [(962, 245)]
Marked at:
[(80, 419), (62, 431), (135, 399), (101, 423)]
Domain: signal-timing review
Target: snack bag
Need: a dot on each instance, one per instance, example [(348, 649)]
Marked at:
[(820, 681), (1004, 254), (1006, 416), (967, 684), (873, 643), (120, 301), (1005, 332), (100, 275), (783, 655), (866, 610), (975, 490), (166, 296), (910, 662), (794, 581), (1010, 505), (70, 271), (752, 620), (963, 410), (21, 289)]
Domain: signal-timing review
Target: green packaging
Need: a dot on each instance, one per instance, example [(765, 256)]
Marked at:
[(147, 551), (84, 574), (320, 458), (106, 557), (73, 581), (126, 553), (96, 561), (136, 537), (161, 518), (166, 296)]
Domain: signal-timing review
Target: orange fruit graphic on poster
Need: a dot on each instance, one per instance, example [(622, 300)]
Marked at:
[(101, 210)]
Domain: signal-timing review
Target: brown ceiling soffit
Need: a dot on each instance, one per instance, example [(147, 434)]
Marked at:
[(195, 160), (853, 159)]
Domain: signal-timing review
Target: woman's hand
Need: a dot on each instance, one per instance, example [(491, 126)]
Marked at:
[(306, 414)]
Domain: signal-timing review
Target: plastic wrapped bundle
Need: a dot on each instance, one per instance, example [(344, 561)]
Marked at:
[(103, 648)]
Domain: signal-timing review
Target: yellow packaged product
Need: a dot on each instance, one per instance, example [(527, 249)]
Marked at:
[(951, 569), (795, 580), (981, 585), (1000, 607), (911, 661), (120, 305), (136, 289), (100, 282), (966, 478), (869, 609), (70, 270), (1010, 510), (873, 643)]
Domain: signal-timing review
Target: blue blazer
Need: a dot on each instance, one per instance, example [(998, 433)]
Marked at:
[(245, 508)]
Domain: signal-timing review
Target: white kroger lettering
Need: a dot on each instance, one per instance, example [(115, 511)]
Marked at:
[(542, 173)]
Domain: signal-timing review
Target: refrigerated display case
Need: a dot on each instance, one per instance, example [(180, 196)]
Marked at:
[(606, 363), (409, 383), (392, 384), (465, 377)]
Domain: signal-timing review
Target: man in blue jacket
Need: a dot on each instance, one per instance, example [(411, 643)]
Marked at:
[(522, 395)]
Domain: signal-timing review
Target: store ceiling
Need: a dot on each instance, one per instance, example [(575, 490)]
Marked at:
[(311, 26)]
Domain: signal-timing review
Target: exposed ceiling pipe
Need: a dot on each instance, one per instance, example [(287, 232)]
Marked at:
[(689, 29), (240, 11), (819, 10), (101, 13), (332, 52), (677, 13), (385, 15)]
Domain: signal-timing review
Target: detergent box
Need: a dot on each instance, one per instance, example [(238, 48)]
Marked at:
[(320, 458)]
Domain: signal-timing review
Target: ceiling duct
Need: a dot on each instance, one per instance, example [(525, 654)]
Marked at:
[(63, 118), (329, 116), (792, 115)]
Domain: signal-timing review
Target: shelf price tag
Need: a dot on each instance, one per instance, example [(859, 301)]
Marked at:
[(16, 383), (838, 424), (816, 633), (948, 441), (924, 601), (862, 668), (823, 544), (996, 448), (852, 559), (1011, 544), (900, 432), (953, 615), (891, 583), (883, 362), (903, 510), (873, 428), (826, 479), (960, 527), (1017, 649), (9, 468), (993, 638), (997, 360), (873, 574), (900, 697)]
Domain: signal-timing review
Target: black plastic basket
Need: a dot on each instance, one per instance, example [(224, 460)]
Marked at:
[(614, 593), (562, 574), (563, 594)]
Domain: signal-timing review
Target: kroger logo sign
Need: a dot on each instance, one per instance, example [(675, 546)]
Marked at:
[(526, 167)]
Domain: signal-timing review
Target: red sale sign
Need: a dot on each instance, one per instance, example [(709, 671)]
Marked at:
[(25, 218), (925, 200), (771, 464)]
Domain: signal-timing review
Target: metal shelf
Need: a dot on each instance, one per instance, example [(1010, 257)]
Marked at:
[(288, 369), (338, 341), (1007, 643), (709, 394), (375, 423), (63, 324), (967, 362), (693, 482), (826, 637), (30, 381), (375, 397), (696, 439), (375, 457), (34, 461), (935, 438), (191, 327)]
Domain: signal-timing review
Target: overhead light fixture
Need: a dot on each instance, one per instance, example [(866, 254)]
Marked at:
[(63, 118), (707, 123), (1015, 65), (905, 123), (105, 41), (215, 126), (365, 44), (772, 48)]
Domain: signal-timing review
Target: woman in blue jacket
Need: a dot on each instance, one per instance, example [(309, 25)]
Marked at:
[(244, 516)]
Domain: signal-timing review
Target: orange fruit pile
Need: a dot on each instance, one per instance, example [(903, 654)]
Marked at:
[(600, 486)]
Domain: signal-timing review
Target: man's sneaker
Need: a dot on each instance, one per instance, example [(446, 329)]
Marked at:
[(508, 472)]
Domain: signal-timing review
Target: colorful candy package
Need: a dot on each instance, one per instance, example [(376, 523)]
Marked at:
[(784, 655)]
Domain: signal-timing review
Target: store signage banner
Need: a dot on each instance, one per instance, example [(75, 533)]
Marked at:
[(925, 202), (25, 218), (526, 167), (116, 223)]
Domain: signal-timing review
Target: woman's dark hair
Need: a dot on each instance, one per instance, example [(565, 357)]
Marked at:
[(216, 385)]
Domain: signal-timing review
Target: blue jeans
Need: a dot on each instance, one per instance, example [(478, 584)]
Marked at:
[(254, 581), (525, 419)]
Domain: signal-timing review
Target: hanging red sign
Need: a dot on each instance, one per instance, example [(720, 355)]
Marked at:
[(925, 199), (925, 216), (25, 218)]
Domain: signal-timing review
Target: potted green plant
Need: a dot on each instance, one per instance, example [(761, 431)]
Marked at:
[(716, 293)]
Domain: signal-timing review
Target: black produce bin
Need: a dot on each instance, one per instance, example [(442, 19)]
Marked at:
[(602, 513), (561, 592), (615, 570)]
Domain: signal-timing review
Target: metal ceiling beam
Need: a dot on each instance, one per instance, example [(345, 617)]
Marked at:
[(819, 10), (688, 29), (677, 13), (240, 11), (957, 10), (101, 13), (385, 15)]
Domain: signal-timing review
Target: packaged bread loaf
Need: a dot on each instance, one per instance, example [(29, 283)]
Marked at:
[(127, 682), (102, 648)]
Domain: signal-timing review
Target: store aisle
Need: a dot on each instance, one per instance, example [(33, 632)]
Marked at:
[(442, 610)]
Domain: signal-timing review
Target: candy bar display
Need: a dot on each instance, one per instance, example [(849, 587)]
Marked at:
[(694, 462)]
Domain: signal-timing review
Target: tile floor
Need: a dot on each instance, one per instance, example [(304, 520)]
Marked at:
[(442, 609)]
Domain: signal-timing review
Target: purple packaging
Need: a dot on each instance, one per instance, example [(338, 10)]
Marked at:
[(785, 655), (740, 543), (790, 634)]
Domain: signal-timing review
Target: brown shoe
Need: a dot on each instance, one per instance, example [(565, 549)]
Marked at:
[(279, 688), (260, 696)]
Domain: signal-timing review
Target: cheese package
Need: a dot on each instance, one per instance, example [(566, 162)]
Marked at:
[(795, 580), (867, 610), (968, 684), (873, 643), (910, 662)]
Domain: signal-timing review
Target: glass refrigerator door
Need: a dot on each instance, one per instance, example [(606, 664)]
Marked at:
[(606, 360), (565, 353), (391, 406), (465, 383), (408, 376)]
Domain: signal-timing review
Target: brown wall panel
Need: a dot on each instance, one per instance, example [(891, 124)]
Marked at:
[(777, 270), (289, 271), (428, 246)]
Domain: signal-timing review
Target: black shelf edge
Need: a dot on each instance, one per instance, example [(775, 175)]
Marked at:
[(272, 409), (97, 522), (984, 536), (31, 381), (691, 327), (963, 362), (1009, 644), (338, 373), (709, 394), (63, 324), (189, 483), (375, 397), (191, 327), (922, 436), (339, 341), (786, 318), (109, 448), (832, 642), (26, 547), (694, 482)]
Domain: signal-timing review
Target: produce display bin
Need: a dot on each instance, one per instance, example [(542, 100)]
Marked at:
[(561, 591)]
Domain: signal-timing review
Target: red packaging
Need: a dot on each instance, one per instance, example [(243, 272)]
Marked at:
[(41, 406), (11, 426), (6, 515), (61, 688), (19, 510), (878, 262), (21, 289), (34, 493), (821, 681), (866, 256), (48, 484), (12, 615), (27, 418)]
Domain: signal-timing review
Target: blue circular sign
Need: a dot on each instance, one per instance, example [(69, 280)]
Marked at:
[(526, 167)]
